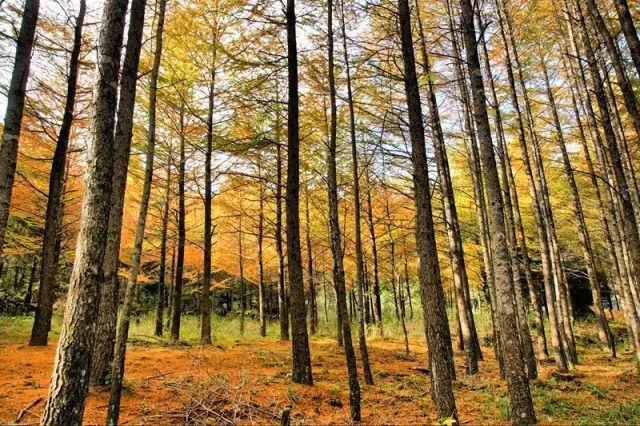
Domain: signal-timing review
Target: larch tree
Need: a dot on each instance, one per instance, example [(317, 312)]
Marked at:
[(70, 379), (522, 411)]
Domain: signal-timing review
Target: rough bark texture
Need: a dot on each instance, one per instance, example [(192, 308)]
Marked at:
[(357, 212), (102, 356), (300, 338), (122, 334), (70, 380), (283, 311), (53, 216), (434, 311), (205, 291), (15, 108), (518, 383), (178, 280)]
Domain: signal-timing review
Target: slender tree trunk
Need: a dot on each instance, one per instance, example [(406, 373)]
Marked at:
[(313, 312), (117, 369), (434, 310), (70, 379), (283, 312), (109, 287), (14, 112), (377, 302), (460, 279), (336, 242), (163, 251), (261, 288), (32, 280), (179, 269), (53, 216), (522, 411), (300, 338), (362, 340), (205, 291), (243, 303)]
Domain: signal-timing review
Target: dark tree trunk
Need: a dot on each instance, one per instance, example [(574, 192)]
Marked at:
[(162, 276), (70, 380), (344, 325), (205, 291), (15, 108), (313, 310), (32, 280), (357, 211), (283, 311), (262, 302), (53, 216), (377, 302), (300, 338), (105, 336), (518, 383), (433, 304), (179, 270)]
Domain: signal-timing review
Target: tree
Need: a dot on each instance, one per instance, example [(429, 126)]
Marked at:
[(434, 312), (53, 216), (520, 395), (70, 379), (15, 109)]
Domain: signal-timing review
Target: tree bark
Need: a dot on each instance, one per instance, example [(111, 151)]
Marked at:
[(522, 411), (205, 291), (162, 276), (300, 338), (15, 109), (434, 310), (70, 379), (105, 336), (335, 239), (179, 270), (261, 288), (377, 302), (53, 216), (283, 311), (357, 212)]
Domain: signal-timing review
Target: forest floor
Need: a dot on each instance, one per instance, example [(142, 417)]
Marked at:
[(249, 382)]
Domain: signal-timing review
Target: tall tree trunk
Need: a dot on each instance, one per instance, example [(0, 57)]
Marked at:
[(630, 31), (32, 279), (262, 314), (53, 216), (377, 302), (243, 302), (205, 291), (109, 287), (300, 338), (585, 240), (513, 217), (15, 108), (434, 310), (179, 270), (454, 237), (522, 411), (162, 276), (336, 241), (357, 211), (70, 379), (122, 334), (313, 311), (283, 311)]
